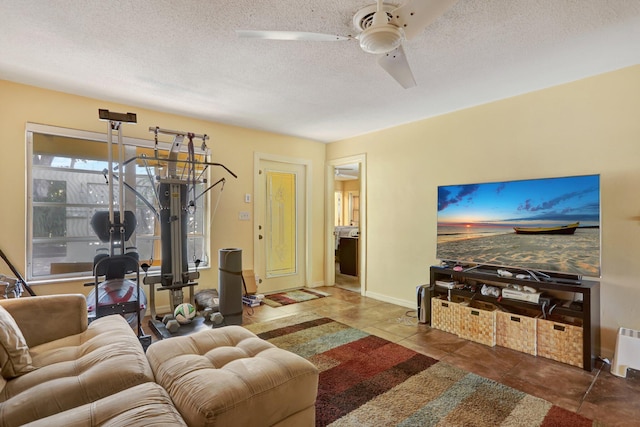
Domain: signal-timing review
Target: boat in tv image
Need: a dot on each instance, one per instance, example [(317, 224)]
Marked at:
[(560, 229), (545, 225)]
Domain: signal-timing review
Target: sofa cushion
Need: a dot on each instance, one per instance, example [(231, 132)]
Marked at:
[(229, 376), (146, 404), (49, 317), (15, 359), (104, 359)]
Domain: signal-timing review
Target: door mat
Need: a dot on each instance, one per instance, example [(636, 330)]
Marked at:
[(292, 297)]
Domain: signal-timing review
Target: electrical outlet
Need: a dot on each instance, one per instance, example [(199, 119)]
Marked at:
[(244, 216)]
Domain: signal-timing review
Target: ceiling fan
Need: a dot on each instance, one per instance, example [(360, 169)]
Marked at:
[(383, 30), (347, 172)]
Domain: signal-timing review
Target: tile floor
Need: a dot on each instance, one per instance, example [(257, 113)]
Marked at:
[(345, 281), (598, 394)]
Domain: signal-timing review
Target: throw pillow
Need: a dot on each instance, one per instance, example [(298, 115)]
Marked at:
[(15, 359)]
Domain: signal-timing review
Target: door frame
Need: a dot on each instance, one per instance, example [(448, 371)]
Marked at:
[(257, 158), (330, 265)]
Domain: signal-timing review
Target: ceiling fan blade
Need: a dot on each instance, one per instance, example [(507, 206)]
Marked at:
[(289, 35), (395, 63), (415, 15)]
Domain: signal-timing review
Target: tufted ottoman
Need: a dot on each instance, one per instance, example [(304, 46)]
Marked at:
[(230, 377)]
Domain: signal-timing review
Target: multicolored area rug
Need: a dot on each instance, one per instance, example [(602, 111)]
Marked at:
[(292, 297), (368, 381)]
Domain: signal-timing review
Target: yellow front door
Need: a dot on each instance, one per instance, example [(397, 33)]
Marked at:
[(281, 226)]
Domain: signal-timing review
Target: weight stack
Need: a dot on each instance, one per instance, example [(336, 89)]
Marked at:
[(230, 285)]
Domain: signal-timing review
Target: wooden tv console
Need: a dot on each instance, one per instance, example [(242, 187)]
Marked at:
[(588, 312)]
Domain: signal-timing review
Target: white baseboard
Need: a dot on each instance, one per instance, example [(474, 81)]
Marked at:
[(391, 300), (316, 284)]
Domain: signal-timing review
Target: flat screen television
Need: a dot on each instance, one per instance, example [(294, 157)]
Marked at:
[(544, 225)]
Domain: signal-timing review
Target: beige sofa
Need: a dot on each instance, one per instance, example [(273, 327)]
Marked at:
[(59, 370), (71, 368)]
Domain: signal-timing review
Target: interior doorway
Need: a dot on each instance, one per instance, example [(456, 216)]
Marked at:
[(346, 223)]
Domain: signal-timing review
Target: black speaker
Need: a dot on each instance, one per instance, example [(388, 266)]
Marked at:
[(424, 294)]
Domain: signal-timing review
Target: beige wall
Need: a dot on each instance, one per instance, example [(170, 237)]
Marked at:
[(232, 146), (591, 126)]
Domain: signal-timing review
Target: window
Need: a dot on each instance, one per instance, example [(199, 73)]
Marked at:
[(67, 185)]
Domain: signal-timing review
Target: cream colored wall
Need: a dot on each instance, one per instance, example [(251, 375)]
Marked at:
[(349, 186), (584, 127), (232, 146)]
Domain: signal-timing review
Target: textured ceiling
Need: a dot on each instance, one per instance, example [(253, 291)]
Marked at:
[(184, 57)]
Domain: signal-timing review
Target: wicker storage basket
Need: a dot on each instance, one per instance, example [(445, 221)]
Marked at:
[(444, 315), (477, 322), (517, 331), (560, 339)]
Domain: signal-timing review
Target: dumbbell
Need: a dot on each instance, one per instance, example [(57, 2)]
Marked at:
[(173, 326), (217, 318)]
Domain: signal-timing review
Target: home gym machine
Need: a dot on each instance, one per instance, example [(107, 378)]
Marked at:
[(176, 198), (113, 293)]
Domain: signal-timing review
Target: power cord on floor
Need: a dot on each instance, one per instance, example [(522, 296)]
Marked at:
[(249, 310), (408, 313), (604, 363), (408, 319)]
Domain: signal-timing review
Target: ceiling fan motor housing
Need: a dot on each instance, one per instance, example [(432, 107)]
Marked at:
[(378, 35), (381, 39)]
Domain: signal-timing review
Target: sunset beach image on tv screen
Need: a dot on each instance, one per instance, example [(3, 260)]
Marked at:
[(549, 224)]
